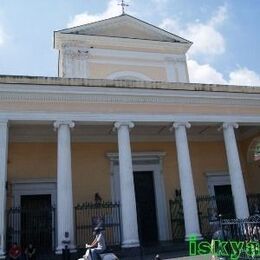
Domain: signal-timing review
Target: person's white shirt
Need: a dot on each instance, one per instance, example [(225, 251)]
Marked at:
[(101, 241)]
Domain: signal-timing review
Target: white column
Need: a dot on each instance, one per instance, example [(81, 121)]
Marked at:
[(130, 236), (3, 179), (190, 210), (65, 222), (236, 175)]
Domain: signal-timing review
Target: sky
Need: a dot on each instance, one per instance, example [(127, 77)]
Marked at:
[(225, 33)]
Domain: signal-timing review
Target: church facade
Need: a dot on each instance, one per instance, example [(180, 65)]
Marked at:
[(121, 120)]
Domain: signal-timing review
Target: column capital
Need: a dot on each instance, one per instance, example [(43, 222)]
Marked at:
[(230, 124), (178, 124), (57, 124), (4, 122), (117, 125)]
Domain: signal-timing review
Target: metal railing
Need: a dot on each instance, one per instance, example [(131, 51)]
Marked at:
[(177, 219), (26, 226), (246, 231), (90, 214), (209, 208)]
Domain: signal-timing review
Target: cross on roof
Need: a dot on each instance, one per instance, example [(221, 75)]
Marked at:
[(123, 5)]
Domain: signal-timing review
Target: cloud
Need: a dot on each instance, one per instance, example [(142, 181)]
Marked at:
[(2, 36), (219, 17), (206, 38), (113, 9), (204, 73), (244, 76)]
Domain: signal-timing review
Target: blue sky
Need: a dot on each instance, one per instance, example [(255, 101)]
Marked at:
[(225, 33)]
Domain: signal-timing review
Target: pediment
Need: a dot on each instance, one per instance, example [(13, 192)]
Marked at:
[(125, 26)]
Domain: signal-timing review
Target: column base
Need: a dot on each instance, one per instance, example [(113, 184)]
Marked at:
[(59, 249), (195, 236), (130, 243), (2, 254)]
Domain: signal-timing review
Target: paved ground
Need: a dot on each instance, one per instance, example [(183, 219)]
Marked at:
[(169, 256)]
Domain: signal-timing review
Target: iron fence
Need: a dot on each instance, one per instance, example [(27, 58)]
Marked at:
[(254, 203), (89, 215), (26, 226), (209, 207), (246, 231), (177, 219)]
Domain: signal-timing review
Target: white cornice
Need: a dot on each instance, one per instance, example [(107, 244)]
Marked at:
[(125, 54), (60, 94), (134, 117), (137, 58), (74, 40), (52, 82)]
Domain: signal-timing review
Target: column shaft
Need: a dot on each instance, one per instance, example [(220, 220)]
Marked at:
[(65, 222), (3, 179), (190, 211), (127, 190), (235, 171)]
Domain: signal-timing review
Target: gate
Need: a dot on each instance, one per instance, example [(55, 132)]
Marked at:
[(177, 219), (26, 226), (90, 215), (209, 208), (245, 231)]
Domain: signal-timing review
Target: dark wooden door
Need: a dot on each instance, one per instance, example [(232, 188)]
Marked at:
[(36, 221), (146, 209), (224, 200)]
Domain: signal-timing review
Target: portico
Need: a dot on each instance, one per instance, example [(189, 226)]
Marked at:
[(86, 139)]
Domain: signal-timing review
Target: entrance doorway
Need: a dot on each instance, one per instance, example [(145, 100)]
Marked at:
[(37, 219), (145, 206), (224, 200)]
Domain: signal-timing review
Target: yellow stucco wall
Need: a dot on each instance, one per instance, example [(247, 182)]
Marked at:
[(102, 71), (251, 169), (91, 168)]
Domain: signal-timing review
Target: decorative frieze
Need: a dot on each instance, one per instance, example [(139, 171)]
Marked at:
[(140, 97)]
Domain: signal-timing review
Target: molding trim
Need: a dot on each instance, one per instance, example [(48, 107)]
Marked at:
[(124, 54), (61, 94), (139, 156), (128, 117), (75, 40), (42, 180), (121, 74), (217, 178)]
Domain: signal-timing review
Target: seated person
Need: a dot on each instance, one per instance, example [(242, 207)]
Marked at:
[(30, 252), (15, 252), (97, 247)]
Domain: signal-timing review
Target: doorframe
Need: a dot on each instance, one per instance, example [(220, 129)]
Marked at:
[(36, 187), (217, 178), (145, 161)]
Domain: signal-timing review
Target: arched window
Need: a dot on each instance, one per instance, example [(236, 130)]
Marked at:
[(129, 75), (254, 150)]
